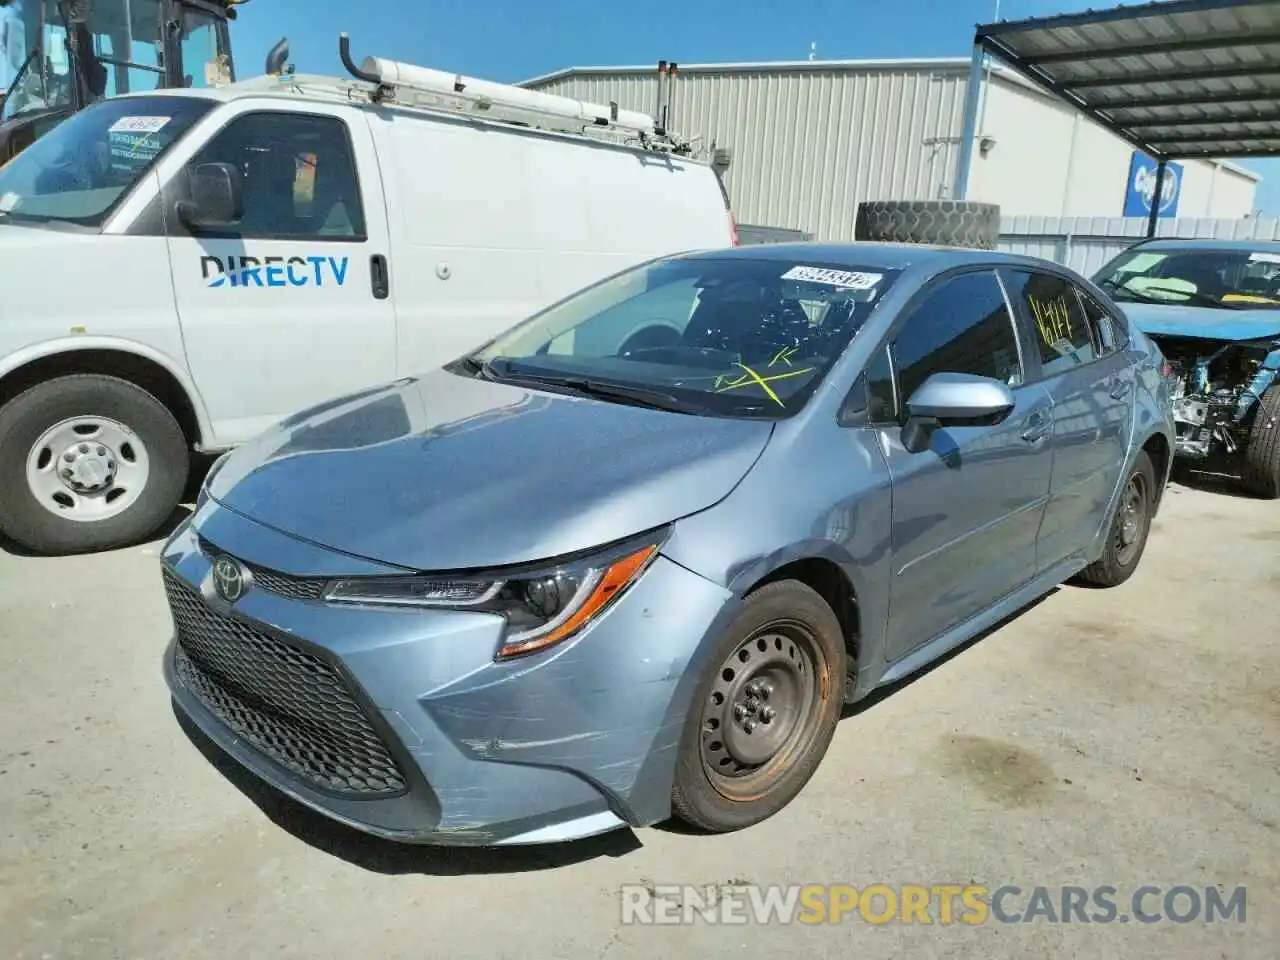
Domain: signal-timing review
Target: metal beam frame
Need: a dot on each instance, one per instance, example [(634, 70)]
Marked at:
[(1190, 100), (1147, 49), (1169, 8), (969, 132), (1132, 80), (1112, 97)]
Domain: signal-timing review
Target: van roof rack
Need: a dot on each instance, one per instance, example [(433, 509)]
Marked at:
[(412, 86)]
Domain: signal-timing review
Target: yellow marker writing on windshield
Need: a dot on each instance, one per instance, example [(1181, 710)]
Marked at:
[(754, 379), (784, 356)]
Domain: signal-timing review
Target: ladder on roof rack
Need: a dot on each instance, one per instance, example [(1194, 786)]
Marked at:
[(413, 86)]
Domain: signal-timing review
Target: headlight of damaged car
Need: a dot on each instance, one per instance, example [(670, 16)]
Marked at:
[(542, 605)]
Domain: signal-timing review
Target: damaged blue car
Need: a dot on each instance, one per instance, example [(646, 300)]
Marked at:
[(1213, 308), (632, 557)]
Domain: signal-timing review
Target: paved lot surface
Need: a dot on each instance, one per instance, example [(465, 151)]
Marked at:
[(1118, 737)]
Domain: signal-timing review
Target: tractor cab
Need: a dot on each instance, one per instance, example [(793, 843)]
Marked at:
[(59, 56)]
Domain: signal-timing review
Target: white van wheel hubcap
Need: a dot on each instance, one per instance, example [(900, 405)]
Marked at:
[(87, 469)]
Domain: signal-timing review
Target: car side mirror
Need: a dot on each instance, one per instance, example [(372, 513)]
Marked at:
[(216, 196), (953, 399)]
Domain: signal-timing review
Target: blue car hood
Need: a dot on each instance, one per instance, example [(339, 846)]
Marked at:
[(445, 472), (1178, 320)]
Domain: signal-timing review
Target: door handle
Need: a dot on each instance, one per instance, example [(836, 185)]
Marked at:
[(1120, 388), (378, 277), (1038, 426)]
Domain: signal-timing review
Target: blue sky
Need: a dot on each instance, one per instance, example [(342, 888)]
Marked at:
[(512, 40)]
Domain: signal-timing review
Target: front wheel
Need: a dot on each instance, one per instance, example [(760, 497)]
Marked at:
[(1130, 527), (88, 462), (764, 713), (1262, 456)]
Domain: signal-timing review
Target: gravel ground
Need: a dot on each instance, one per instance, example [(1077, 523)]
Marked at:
[(1121, 737)]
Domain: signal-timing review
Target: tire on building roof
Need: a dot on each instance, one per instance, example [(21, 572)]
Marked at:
[(949, 223)]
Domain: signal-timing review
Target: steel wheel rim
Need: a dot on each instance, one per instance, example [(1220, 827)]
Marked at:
[(87, 469), (762, 710), (1132, 519)]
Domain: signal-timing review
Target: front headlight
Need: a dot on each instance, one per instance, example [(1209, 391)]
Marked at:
[(542, 605)]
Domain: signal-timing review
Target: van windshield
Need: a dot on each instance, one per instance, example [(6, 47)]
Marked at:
[(728, 336), (78, 171)]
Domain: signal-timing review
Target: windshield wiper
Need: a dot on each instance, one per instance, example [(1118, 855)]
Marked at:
[(625, 393)]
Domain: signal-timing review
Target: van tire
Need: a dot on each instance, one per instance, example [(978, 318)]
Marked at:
[(29, 417), (1261, 473), (804, 709), (949, 223)]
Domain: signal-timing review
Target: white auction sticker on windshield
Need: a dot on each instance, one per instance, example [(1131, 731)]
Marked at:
[(835, 278), (1264, 257), (139, 125)]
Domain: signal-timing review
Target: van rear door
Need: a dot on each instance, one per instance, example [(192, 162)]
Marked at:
[(290, 306)]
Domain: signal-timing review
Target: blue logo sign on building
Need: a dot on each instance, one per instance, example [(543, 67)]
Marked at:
[(1139, 191)]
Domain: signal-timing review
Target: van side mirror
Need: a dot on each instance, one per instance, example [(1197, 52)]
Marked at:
[(216, 196), (953, 399)]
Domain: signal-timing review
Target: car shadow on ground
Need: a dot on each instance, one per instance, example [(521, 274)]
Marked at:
[(388, 857), (1212, 481)]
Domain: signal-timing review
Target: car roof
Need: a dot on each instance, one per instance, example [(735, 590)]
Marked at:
[(1205, 243), (885, 256)]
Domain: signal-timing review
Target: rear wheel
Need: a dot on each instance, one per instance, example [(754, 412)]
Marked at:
[(1130, 527), (764, 713), (1261, 472), (88, 462)]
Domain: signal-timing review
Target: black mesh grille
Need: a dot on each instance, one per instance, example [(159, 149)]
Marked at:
[(282, 584), (290, 704)]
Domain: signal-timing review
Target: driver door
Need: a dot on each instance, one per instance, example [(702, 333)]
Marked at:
[(966, 511)]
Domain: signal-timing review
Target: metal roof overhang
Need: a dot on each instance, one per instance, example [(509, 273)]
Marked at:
[(1178, 79)]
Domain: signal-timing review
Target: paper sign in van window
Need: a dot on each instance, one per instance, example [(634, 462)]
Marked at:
[(1264, 258), (846, 279), (139, 125)]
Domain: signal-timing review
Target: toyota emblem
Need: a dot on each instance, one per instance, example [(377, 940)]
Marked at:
[(228, 579)]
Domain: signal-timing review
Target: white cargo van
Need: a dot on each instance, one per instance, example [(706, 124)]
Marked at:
[(181, 269)]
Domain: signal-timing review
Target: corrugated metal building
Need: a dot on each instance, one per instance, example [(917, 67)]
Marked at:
[(812, 139)]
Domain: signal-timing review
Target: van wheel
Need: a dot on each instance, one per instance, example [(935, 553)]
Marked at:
[(88, 462), (1130, 527), (764, 713), (1261, 473)]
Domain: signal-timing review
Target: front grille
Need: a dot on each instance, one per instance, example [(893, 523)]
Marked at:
[(288, 703), (273, 581)]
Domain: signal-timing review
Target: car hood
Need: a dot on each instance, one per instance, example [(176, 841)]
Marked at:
[(1207, 323), (445, 472)]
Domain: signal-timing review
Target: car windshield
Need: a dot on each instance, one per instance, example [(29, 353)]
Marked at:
[(732, 336), (79, 170), (1225, 279)]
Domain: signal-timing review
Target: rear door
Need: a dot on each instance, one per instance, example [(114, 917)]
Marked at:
[(966, 511), (1082, 363), (291, 306)]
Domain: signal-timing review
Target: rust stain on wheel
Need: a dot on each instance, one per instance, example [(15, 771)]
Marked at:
[(763, 710)]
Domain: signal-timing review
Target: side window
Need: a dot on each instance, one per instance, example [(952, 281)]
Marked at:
[(962, 326), (299, 177), (1063, 334), (1112, 335)]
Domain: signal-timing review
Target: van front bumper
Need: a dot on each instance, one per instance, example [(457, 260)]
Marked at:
[(400, 723)]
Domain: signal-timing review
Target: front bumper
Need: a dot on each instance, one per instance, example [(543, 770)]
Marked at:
[(401, 724)]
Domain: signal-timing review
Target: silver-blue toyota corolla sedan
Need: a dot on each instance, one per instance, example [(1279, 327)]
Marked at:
[(630, 558)]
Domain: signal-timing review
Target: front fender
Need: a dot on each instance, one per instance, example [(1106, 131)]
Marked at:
[(62, 346)]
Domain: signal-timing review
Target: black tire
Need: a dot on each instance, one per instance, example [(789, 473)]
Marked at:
[(1261, 473), (778, 621), (1121, 554), (26, 417), (949, 223)]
